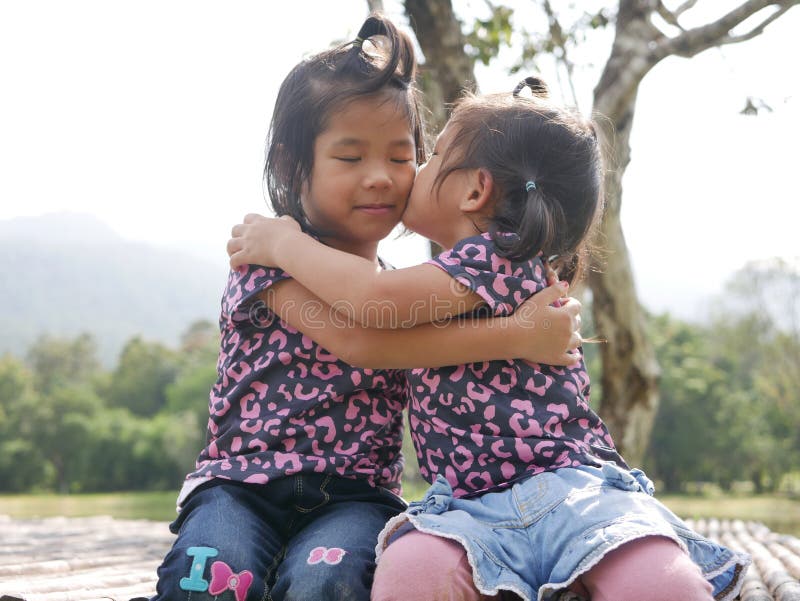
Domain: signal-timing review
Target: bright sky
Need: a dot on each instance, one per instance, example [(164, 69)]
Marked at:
[(153, 116)]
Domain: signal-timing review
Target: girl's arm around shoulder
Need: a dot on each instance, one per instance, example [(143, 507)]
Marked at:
[(354, 286), (537, 332)]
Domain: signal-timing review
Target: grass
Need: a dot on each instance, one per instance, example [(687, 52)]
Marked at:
[(781, 514), (158, 506)]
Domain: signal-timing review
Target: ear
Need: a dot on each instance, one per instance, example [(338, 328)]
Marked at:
[(480, 187)]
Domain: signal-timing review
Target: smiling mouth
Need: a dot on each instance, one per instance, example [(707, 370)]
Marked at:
[(376, 209)]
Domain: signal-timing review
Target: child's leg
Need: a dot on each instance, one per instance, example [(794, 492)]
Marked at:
[(223, 545), (332, 558), (425, 567), (653, 568)]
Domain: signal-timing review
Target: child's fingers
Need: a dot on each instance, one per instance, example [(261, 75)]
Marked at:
[(571, 359), (547, 296), (573, 308), (575, 341), (572, 304), (565, 359), (252, 218), (237, 230), (237, 259), (234, 245), (291, 220)]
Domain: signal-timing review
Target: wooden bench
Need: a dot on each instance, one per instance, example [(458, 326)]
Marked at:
[(100, 558)]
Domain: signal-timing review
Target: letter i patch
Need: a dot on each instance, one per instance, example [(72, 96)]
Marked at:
[(195, 582)]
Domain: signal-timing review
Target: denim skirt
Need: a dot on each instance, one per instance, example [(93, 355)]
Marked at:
[(538, 536)]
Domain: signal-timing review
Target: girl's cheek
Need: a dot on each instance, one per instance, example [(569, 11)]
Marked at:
[(409, 183)]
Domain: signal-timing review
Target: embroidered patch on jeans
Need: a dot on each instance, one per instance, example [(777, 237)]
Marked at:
[(195, 582), (223, 579), (329, 556)]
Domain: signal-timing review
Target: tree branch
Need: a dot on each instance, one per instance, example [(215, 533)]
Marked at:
[(717, 33), (757, 30), (557, 35), (669, 16), (688, 5)]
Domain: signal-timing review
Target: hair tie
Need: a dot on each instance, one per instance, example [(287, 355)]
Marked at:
[(357, 42), (531, 185)]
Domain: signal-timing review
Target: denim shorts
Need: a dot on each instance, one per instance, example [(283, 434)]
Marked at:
[(540, 535)]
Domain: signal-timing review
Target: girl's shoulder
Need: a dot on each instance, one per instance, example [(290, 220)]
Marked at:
[(477, 263), (243, 287), (481, 252)]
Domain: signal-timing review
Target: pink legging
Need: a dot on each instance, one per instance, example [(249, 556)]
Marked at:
[(426, 567)]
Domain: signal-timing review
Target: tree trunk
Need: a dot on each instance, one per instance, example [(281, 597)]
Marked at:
[(630, 371), (447, 71)]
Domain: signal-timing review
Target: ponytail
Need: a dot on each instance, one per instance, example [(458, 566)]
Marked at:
[(546, 166)]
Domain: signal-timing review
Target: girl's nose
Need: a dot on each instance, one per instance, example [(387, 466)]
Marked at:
[(378, 178)]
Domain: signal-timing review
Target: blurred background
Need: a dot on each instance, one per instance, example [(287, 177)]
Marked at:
[(132, 139)]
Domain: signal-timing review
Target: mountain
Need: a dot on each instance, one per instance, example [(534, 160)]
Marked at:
[(66, 273)]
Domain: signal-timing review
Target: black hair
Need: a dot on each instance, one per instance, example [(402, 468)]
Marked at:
[(318, 86), (546, 167)]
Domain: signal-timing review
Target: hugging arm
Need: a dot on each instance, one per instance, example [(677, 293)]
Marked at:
[(354, 286), (536, 332)]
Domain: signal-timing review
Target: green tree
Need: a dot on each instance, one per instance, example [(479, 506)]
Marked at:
[(757, 332), (189, 391), (679, 446), (201, 337), (131, 452), (729, 403), (59, 425), (22, 465), (58, 362), (140, 380)]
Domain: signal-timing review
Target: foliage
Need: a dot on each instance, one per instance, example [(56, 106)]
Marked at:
[(488, 35), (56, 362), (140, 380), (729, 402), (66, 425)]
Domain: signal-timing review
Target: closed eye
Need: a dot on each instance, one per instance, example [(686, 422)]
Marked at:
[(402, 161), (348, 159)]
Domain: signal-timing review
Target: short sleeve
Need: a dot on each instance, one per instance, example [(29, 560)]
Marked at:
[(244, 285), (502, 283)]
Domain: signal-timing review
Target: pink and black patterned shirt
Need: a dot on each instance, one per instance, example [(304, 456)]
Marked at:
[(284, 405), (485, 425)]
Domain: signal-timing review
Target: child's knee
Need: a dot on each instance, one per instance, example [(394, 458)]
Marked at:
[(653, 568), (423, 566)]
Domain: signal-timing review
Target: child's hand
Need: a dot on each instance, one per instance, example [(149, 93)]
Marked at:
[(257, 239), (544, 333)]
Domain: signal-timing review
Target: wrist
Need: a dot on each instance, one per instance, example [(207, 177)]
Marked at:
[(282, 245)]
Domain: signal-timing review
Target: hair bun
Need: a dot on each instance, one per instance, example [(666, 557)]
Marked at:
[(374, 25), (536, 84), (398, 54)]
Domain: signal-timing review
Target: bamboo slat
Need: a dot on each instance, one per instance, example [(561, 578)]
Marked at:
[(89, 559)]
